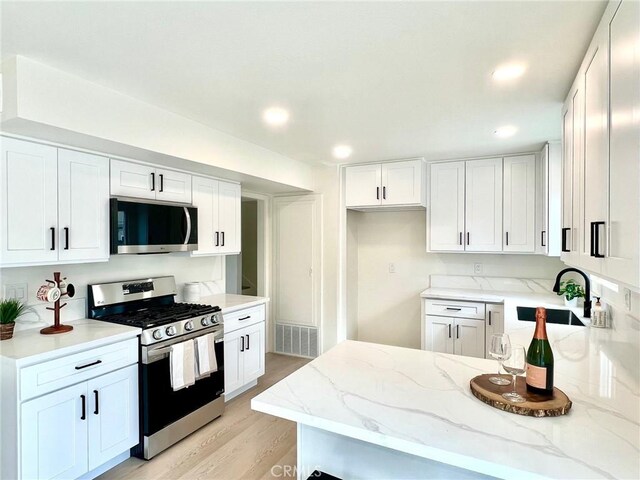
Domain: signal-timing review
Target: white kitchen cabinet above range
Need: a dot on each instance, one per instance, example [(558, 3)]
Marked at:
[(54, 205), (390, 184), (129, 179)]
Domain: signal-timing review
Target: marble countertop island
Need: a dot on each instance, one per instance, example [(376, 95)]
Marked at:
[(419, 403)]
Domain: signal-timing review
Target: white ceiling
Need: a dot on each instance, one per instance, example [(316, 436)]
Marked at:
[(392, 80)]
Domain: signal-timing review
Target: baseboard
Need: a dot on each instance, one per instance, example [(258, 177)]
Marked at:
[(239, 391), (106, 466)]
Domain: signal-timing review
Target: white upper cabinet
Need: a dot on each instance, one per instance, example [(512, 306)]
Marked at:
[(601, 151), (219, 216), (83, 214), (623, 254), (483, 205), (567, 183), (446, 206), (130, 179), (519, 203), (549, 200), (389, 184), (363, 185), (29, 202), (55, 205)]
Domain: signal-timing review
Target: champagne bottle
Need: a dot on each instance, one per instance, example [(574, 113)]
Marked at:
[(540, 358)]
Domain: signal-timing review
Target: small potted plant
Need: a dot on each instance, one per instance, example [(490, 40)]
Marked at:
[(572, 292), (9, 310)]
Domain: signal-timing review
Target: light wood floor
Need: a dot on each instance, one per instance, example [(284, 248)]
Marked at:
[(241, 444)]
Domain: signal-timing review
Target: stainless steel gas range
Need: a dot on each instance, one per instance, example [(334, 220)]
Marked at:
[(166, 416)]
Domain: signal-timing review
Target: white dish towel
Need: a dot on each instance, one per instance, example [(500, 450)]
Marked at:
[(182, 365), (206, 355)]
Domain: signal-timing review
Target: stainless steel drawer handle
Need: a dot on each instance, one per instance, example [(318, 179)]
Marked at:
[(244, 318), (97, 362)]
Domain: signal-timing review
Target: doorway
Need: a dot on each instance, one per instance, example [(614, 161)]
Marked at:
[(249, 261)]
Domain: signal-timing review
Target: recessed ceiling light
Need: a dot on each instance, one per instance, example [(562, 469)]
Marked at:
[(508, 71), (275, 116), (342, 151), (505, 131)]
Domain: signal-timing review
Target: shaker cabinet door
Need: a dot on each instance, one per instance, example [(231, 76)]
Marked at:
[(439, 334), (483, 205), (83, 213), (469, 337), (28, 203), (254, 354), (205, 198), (363, 185), (173, 186), (519, 203), (234, 344), (54, 435), (135, 180), (229, 215), (446, 207), (402, 183)]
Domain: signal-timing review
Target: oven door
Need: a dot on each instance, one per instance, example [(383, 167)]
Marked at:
[(160, 404)]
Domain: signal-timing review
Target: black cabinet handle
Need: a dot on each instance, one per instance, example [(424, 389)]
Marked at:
[(384, 193), (244, 318), (595, 239), (507, 235), (222, 235), (449, 330), (217, 239), (153, 181), (489, 317), (161, 182), (454, 309), (468, 236), (457, 331), (53, 238), (242, 347), (66, 238), (247, 341), (97, 410), (377, 193), (542, 242), (84, 407), (564, 247), (97, 362), (460, 238)]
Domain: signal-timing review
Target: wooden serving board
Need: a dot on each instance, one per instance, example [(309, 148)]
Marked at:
[(535, 405)]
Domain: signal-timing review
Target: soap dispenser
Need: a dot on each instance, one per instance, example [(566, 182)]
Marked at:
[(598, 316)]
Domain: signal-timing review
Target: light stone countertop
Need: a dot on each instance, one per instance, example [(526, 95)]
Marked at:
[(30, 346), (419, 402), (230, 302)]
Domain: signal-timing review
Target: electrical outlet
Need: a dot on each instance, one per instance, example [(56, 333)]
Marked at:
[(392, 268), (477, 268), (19, 291), (627, 299)]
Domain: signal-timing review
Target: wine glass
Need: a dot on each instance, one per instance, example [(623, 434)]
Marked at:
[(500, 349), (516, 365)]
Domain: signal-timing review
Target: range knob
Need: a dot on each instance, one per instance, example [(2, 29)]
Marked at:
[(171, 331), (188, 326), (157, 334), (204, 322)]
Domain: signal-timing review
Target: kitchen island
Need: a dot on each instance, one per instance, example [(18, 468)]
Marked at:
[(375, 411)]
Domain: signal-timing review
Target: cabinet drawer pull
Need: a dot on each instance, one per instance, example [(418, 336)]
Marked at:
[(161, 182), (153, 181), (384, 193), (97, 362), (242, 347), (449, 330), (244, 318), (489, 317), (507, 238), (377, 193), (468, 238), (564, 240), (84, 407), (457, 331), (453, 309), (460, 238), (66, 238), (595, 239), (222, 239), (217, 239), (97, 410), (248, 347), (542, 242), (53, 238)]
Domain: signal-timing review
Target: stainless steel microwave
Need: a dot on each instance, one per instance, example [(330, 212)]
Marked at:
[(144, 226)]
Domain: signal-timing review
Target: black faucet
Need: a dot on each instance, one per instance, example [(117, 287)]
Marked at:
[(587, 288)]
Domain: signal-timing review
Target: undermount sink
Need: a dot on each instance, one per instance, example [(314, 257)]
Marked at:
[(563, 317)]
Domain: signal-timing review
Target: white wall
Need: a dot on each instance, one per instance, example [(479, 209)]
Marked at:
[(119, 267), (388, 306)]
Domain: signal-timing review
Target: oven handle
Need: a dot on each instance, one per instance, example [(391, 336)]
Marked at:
[(151, 355), (188, 235)]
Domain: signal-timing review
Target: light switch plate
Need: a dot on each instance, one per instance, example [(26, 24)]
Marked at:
[(392, 268), (19, 291)]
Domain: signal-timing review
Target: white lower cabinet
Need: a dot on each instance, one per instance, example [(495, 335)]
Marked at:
[(244, 350), (72, 431), (460, 328)]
